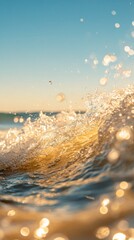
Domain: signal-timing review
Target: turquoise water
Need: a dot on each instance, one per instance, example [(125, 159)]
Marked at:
[(69, 175)]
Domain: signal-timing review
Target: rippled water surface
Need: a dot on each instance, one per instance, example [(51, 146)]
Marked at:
[(69, 176)]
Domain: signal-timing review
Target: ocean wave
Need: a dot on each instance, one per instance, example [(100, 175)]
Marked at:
[(67, 137), (72, 173)]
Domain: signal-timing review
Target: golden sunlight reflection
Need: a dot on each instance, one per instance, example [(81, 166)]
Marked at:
[(113, 155), (105, 201), (21, 120), (103, 81), (66, 153), (123, 134), (60, 97), (25, 231), (119, 236), (16, 120), (120, 193), (108, 59), (129, 50), (126, 73), (103, 210), (61, 238), (40, 233), (44, 222), (102, 232), (124, 185), (11, 213)]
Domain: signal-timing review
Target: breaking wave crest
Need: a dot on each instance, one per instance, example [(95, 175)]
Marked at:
[(67, 136), (71, 165)]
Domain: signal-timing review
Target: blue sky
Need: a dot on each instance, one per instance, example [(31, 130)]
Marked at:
[(53, 46)]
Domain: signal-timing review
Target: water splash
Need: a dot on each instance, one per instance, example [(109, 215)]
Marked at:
[(71, 168)]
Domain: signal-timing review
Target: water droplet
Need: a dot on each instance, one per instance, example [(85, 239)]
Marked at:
[(40, 233), (102, 232), (105, 201), (81, 20), (127, 73), (103, 81), (113, 12), (86, 60), (123, 134), (44, 222), (131, 52), (16, 120), (95, 62), (124, 185), (117, 25), (25, 231), (108, 59), (21, 120), (60, 97), (113, 155), (103, 210), (119, 193), (127, 49), (50, 82)]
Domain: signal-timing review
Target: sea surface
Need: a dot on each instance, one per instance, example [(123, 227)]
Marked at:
[(68, 175)]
